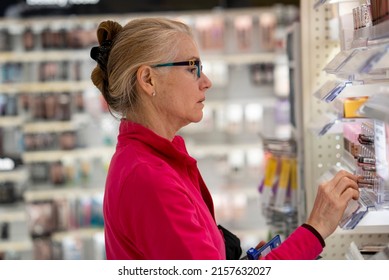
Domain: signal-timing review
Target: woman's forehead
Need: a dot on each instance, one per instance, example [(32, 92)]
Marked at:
[(187, 48)]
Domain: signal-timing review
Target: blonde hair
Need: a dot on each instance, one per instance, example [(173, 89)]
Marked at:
[(122, 50)]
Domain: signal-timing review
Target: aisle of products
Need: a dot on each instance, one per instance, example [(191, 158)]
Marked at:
[(57, 136)]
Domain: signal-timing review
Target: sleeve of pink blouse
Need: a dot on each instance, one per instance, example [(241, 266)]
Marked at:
[(302, 244)]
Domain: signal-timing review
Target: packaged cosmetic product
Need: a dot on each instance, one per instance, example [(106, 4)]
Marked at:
[(267, 28), (5, 40), (253, 114), (11, 108), (210, 31), (59, 38), (349, 107), (243, 32), (64, 112), (78, 102), (28, 39), (46, 38), (7, 192), (57, 173), (50, 103), (37, 107), (42, 247), (40, 218), (39, 172), (3, 104), (11, 141), (234, 115), (67, 140), (61, 206)]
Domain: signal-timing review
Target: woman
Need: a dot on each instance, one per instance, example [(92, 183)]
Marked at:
[(156, 204)]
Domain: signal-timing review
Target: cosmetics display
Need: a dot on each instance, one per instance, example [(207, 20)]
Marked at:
[(358, 95)]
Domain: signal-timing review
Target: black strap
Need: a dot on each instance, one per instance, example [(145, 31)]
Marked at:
[(232, 243)]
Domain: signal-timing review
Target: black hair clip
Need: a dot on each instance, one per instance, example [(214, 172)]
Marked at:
[(100, 53)]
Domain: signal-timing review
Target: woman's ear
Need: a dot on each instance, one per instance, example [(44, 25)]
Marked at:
[(145, 79)]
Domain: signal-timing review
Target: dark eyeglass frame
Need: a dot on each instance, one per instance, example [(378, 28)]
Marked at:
[(192, 62)]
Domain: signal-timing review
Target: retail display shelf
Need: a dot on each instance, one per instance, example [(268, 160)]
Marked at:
[(361, 64), (49, 156), (377, 107), (10, 121), (372, 35), (373, 222), (319, 3), (333, 89), (331, 124), (80, 233), (14, 175), (16, 246), (53, 126), (47, 55), (12, 213), (63, 86), (61, 193)]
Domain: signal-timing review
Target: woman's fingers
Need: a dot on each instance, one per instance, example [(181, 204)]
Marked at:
[(343, 181)]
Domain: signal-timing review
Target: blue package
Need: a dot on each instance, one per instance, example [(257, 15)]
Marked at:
[(255, 254)]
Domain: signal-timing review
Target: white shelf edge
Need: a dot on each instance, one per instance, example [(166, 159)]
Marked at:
[(14, 175), (11, 121), (44, 55), (49, 126), (13, 216), (373, 222), (63, 192), (48, 156), (81, 232), (17, 246), (40, 87)]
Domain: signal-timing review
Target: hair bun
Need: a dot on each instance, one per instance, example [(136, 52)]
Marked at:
[(107, 31)]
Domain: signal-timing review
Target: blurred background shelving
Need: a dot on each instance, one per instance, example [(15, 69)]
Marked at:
[(57, 132)]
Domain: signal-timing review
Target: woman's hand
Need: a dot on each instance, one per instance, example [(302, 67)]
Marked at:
[(331, 201)]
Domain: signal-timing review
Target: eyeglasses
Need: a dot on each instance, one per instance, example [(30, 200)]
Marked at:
[(191, 62)]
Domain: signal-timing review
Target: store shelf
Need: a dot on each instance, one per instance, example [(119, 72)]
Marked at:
[(334, 89), (47, 55), (376, 222), (366, 64), (61, 193), (78, 233), (49, 156), (371, 35), (7, 121), (12, 213), (320, 3), (47, 127), (15, 246), (63, 86), (14, 175), (377, 106)]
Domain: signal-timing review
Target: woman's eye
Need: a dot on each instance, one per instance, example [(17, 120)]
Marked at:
[(193, 70)]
